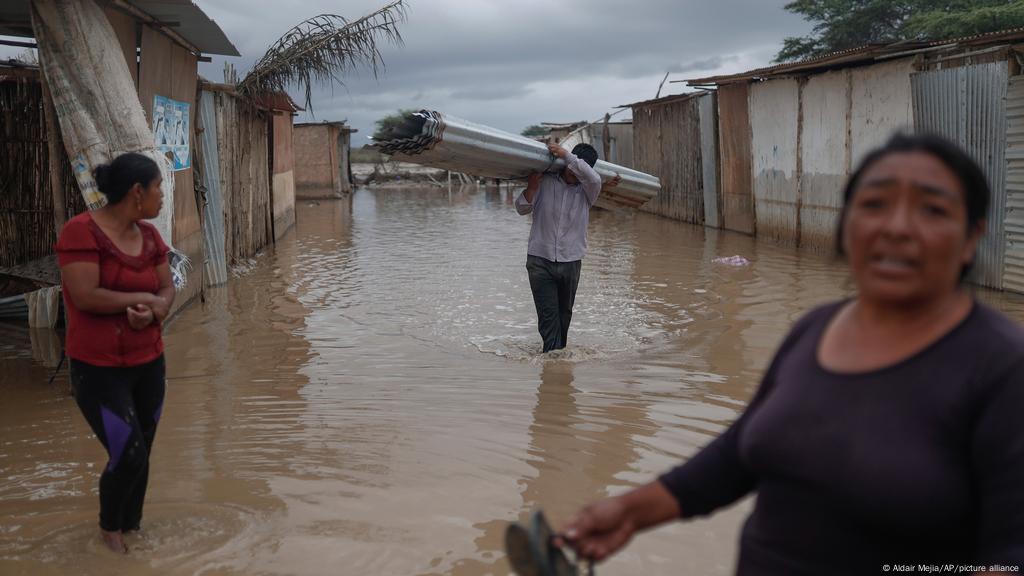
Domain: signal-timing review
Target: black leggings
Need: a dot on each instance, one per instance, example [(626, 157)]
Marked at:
[(122, 406)]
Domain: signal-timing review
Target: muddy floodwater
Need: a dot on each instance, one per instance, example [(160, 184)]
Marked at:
[(368, 396)]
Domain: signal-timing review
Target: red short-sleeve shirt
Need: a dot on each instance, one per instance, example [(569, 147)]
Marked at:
[(108, 340)]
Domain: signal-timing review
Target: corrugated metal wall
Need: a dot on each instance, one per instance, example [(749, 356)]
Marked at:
[(774, 124), (824, 156), (708, 105), (737, 208), (213, 211), (968, 106), (1013, 266), (880, 105), (621, 135), (666, 144)]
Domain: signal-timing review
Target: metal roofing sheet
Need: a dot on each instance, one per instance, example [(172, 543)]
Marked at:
[(192, 23), (968, 106), (666, 99), (861, 54)]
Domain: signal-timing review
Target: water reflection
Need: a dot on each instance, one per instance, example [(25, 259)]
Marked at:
[(368, 396)]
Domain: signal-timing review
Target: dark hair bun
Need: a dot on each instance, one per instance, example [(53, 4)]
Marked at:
[(102, 176), (116, 179)]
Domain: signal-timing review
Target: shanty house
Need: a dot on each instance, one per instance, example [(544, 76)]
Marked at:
[(323, 166), (162, 42)]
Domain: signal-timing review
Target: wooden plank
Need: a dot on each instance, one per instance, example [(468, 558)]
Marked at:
[(735, 142), (184, 80), (667, 145)]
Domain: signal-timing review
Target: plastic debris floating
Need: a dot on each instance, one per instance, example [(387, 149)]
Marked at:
[(441, 141), (732, 261)]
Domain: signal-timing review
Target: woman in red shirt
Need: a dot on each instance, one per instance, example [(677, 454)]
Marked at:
[(117, 291)]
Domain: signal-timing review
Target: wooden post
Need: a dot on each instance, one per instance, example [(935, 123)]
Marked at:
[(606, 139), (199, 188), (270, 171), (55, 153)]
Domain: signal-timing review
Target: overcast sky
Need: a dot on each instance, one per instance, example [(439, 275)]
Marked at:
[(509, 64)]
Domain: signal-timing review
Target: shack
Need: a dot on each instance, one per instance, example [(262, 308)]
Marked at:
[(674, 138), (162, 43), (790, 135), (247, 166), (323, 164)]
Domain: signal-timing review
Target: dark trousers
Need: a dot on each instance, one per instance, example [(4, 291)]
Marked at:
[(122, 406), (554, 292)]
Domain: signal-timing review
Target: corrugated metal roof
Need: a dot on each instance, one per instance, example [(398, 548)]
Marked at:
[(860, 54), (192, 23), (342, 125), (665, 99), (563, 125), (833, 60)]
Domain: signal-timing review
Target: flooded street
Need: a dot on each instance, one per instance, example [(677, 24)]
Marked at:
[(368, 397)]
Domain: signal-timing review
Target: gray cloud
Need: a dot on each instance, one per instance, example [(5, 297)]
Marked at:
[(713, 63), (513, 63), (490, 92)]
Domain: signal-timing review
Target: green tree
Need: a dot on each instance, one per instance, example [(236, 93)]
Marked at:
[(534, 131), (845, 24), (967, 18), (389, 123)]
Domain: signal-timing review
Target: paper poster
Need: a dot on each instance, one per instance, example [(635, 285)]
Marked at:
[(171, 130)]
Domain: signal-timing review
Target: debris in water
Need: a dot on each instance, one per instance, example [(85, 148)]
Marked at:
[(732, 261)]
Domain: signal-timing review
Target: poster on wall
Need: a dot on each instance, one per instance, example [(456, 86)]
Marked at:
[(171, 130)]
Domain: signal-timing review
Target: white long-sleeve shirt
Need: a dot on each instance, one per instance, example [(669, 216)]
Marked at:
[(561, 213)]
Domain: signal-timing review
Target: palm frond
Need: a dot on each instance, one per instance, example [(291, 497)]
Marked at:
[(320, 50)]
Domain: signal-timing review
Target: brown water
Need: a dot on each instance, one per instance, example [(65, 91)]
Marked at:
[(369, 398)]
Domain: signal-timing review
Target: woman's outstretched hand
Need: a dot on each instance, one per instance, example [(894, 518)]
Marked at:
[(600, 530), (606, 526)]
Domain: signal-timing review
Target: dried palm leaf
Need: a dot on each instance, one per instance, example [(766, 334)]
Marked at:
[(321, 49)]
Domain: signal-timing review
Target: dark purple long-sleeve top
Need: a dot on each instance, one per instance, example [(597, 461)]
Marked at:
[(917, 463)]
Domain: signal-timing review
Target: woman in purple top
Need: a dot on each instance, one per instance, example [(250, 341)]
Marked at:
[(886, 431)]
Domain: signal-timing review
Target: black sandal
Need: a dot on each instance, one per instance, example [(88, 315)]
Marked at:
[(532, 551)]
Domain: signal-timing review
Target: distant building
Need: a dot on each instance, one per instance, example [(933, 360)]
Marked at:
[(323, 164)]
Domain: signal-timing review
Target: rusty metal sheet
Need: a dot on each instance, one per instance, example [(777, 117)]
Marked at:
[(774, 123), (667, 144), (708, 105), (734, 141)]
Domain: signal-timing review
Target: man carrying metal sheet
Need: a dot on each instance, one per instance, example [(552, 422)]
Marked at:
[(560, 204)]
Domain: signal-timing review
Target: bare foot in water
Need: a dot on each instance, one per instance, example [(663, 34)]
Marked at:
[(114, 541)]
